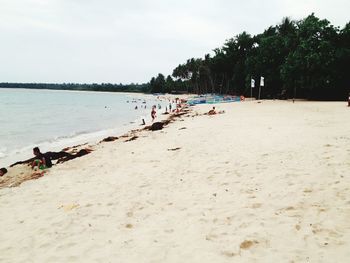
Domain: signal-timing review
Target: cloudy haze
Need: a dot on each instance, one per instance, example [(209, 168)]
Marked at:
[(130, 41)]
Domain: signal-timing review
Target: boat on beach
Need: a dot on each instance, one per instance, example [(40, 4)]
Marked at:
[(212, 99)]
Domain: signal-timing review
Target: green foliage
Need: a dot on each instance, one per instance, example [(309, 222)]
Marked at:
[(157, 85), (309, 58), (310, 66)]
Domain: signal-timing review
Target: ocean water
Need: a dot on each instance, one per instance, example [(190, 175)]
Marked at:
[(53, 120)]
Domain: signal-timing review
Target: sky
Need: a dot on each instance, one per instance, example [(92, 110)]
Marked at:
[(115, 41)]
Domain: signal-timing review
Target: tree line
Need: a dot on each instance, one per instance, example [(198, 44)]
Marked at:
[(309, 58), (86, 87)]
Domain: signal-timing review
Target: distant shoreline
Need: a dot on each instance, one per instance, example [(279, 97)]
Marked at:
[(75, 90), (103, 87)]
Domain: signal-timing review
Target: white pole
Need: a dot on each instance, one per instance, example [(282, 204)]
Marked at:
[(252, 85), (261, 85), (251, 89)]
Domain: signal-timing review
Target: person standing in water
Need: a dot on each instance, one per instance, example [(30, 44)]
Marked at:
[(153, 113)]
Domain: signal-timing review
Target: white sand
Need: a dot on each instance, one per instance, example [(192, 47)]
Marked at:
[(264, 182)]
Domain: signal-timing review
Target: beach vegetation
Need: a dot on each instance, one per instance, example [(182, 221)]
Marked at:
[(306, 59)]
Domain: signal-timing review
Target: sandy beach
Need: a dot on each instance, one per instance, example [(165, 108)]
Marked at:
[(263, 182)]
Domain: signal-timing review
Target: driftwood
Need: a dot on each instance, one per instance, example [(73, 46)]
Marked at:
[(158, 125), (132, 139), (61, 156), (23, 162), (69, 157), (174, 149), (110, 139)]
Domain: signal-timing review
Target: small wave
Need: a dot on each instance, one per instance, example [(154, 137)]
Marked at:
[(71, 136)]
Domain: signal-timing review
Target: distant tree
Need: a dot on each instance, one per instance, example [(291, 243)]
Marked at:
[(342, 63), (157, 85), (310, 66), (309, 58), (169, 84)]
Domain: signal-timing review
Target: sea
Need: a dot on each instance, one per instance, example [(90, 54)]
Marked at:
[(55, 119)]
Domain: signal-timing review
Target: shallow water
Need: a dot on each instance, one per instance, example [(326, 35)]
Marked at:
[(53, 120)]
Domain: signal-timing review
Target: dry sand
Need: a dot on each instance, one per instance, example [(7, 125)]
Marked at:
[(264, 182)]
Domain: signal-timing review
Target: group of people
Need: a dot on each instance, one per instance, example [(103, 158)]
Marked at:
[(168, 109), (40, 162), (142, 107), (154, 113)]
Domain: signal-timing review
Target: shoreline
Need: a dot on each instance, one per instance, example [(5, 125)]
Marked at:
[(261, 182), (69, 141), (56, 143), (19, 173)]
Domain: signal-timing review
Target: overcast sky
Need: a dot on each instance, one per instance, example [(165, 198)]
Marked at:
[(128, 41)]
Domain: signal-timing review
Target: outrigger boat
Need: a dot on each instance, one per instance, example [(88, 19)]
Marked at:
[(212, 99)]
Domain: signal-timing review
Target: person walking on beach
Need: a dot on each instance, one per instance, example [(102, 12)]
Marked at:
[(153, 113), (349, 100), (41, 160)]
